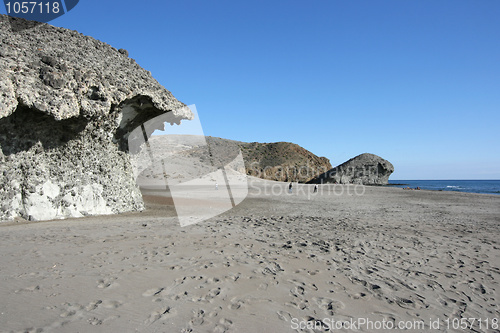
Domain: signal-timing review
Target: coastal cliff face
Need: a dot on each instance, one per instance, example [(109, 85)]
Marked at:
[(366, 169), (67, 105)]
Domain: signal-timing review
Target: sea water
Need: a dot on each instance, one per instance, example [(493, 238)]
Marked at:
[(472, 186)]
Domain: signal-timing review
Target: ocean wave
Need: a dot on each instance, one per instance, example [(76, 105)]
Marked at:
[(471, 186)]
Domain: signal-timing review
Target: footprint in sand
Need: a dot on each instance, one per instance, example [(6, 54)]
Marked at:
[(161, 314), (359, 295), (477, 288), (153, 292), (28, 289), (107, 283), (214, 313), (298, 291), (224, 325), (71, 310), (236, 304), (198, 317), (285, 316), (212, 294), (300, 306), (389, 317), (263, 286), (94, 321), (93, 305), (405, 303), (179, 296), (109, 304), (329, 306)]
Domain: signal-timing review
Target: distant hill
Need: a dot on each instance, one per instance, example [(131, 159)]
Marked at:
[(280, 161), (191, 157)]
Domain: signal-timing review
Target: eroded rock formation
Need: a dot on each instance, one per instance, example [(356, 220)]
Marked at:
[(367, 169), (67, 105), (282, 161)]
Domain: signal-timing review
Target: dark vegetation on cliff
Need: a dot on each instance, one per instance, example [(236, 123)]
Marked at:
[(280, 161)]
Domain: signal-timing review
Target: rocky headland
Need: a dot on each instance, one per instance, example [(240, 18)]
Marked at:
[(67, 106), (278, 161), (366, 169), (282, 161)]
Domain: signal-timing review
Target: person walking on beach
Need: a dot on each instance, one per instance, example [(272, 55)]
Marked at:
[(315, 188), (290, 188), (216, 186)]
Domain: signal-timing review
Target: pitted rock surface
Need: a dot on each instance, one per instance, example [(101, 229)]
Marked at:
[(67, 105)]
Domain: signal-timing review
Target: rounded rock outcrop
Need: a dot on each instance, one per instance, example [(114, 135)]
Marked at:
[(366, 169)]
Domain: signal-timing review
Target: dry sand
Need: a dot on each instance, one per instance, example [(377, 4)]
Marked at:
[(275, 263)]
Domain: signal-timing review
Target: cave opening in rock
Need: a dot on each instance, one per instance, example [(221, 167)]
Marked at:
[(27, 127)]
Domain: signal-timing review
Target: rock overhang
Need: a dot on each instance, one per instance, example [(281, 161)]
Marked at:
[(70, 97), (65, 74)]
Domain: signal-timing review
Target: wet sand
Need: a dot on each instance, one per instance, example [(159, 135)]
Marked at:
[(276, 263)]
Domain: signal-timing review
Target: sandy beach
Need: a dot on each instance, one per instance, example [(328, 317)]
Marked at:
[(361, 260)]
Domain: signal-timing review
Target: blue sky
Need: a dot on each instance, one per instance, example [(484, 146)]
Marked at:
[(416, 82)]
